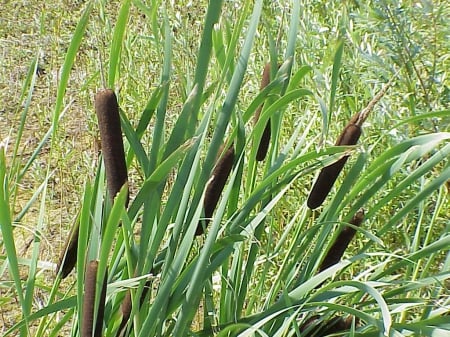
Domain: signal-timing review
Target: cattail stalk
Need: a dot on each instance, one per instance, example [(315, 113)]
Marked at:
[(87, 323), (344, 238), (215, 187), (107, 110), (265, 139)]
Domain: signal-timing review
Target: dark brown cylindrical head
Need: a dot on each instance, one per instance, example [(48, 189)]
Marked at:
[(68, 256), (329, 174), (350, 135), (108, 116), (215, 186), (263, 145), (87, 323), (101, 308), (344, 238), (127, 306), (316, 327)]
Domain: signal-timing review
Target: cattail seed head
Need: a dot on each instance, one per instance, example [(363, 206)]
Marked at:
[(344, 238), (68, 256), (264, 82), (126, 306), (263, 145), (107, 110), (87, 323), (315, 327), (329, 174), (215, 186), (350, 135), (101, 309)]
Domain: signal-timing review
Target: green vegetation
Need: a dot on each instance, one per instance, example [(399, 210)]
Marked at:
[(187, 80)]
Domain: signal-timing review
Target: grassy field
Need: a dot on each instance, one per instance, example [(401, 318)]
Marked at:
[(187, 76)]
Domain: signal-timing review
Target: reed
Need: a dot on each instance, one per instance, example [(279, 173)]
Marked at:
[(265, 139), (87, 323), (215, 186), (342, 241)]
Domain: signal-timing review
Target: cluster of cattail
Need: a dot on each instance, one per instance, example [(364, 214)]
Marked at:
[(216, 184), (87, 322), (112, 148)]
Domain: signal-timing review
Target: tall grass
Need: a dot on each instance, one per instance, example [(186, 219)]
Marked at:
[(262, 266)]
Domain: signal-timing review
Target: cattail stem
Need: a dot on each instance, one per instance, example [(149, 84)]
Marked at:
[(107, 110), (344, 238), (87, 323), (265, 138), (215, 187)]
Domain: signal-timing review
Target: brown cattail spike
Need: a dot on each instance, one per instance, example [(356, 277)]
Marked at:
[(127, 304), (265, 138), (349, 136), (215, 187), (315, 327), (108, 117), (68, 256), (101, 308), (329, 174), (342, 241), (87, 323)]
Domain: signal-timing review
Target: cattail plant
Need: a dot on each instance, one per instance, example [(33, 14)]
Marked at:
[(87, 323), (328, 175), (265, 139), (342, 241), (215, 186)]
